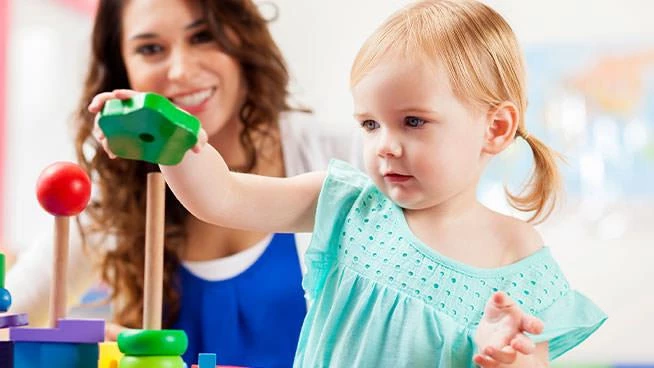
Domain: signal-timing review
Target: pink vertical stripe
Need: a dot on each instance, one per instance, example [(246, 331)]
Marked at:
[(4, 31)]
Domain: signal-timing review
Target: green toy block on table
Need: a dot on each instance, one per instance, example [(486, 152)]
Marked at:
[(148, 127), (2, 270), (5, 297)]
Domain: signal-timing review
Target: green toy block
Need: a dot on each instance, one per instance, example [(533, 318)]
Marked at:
[(2, 270), (148, 127), (5, 297)]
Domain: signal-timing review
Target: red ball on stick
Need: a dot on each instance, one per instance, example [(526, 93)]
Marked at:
[(63, 189)]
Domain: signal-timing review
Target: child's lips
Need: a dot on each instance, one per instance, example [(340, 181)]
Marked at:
[(396, 178)]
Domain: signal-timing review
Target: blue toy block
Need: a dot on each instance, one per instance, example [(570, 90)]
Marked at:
[(6, 354), (206, 360), (55, 355)]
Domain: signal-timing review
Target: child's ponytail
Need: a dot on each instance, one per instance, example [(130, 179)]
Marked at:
[(541, 192)]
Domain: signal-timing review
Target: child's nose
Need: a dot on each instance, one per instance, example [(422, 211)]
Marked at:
[(389, 145)]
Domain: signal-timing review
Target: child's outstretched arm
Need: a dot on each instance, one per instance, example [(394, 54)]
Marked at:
[(501, 336), (205, 186)]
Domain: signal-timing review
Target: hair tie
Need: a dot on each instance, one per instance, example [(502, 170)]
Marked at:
[(523, 134), (269, 10)]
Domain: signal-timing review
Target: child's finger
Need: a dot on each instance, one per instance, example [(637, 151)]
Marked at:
[(502, 301), (123, 94), (98, 134), (485, 362), (105, 145), (498, 305), (202, 140), (98, 101), (531, 324), (506, 355), (523, 344)]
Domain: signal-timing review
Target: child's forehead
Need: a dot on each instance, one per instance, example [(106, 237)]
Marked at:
[(396, 95), (408, 75)]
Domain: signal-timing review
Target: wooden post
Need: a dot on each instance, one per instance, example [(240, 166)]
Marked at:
[(58, 282), (154, 243)]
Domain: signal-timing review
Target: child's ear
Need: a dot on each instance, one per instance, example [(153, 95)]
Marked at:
[(501, 126)]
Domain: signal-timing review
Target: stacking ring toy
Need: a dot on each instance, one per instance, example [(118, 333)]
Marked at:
[(140, 343)]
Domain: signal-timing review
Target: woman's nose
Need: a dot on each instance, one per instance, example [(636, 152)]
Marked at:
[(181, 66)]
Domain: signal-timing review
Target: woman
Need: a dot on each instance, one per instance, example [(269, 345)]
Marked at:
[(236, 293)]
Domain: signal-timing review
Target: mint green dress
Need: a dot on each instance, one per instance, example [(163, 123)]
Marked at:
[(381, 298)]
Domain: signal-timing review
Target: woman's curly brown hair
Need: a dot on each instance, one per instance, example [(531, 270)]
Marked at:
[(118, 208)]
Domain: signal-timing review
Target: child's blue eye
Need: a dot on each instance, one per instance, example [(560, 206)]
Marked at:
[(369, 124), (414, 122)]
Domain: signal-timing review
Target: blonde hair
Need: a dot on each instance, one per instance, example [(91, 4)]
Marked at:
[(484, 63)]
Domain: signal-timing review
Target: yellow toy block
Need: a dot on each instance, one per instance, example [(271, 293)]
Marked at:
[(110, 355)]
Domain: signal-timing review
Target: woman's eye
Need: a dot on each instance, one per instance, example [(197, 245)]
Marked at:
[(414, 122), (202, 37), (150, 49), (369, 125)]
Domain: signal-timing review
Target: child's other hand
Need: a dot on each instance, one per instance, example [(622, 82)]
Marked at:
[(501, 332), (97, 104)]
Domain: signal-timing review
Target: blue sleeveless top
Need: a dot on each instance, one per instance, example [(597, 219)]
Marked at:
[(253, 319)]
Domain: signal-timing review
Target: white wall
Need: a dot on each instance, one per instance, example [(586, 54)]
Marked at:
[(47, 53), (48, 48)]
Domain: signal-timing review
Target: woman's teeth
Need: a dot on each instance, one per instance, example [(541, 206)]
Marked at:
[(194, 98)]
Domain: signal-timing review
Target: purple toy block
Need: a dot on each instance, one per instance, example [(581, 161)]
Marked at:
[(68, 330), (13, 320)]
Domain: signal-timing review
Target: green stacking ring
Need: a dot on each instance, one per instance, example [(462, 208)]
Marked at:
[(152, 342), (151, 362)]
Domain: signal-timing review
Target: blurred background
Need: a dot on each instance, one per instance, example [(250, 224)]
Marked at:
[(591, 96)]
